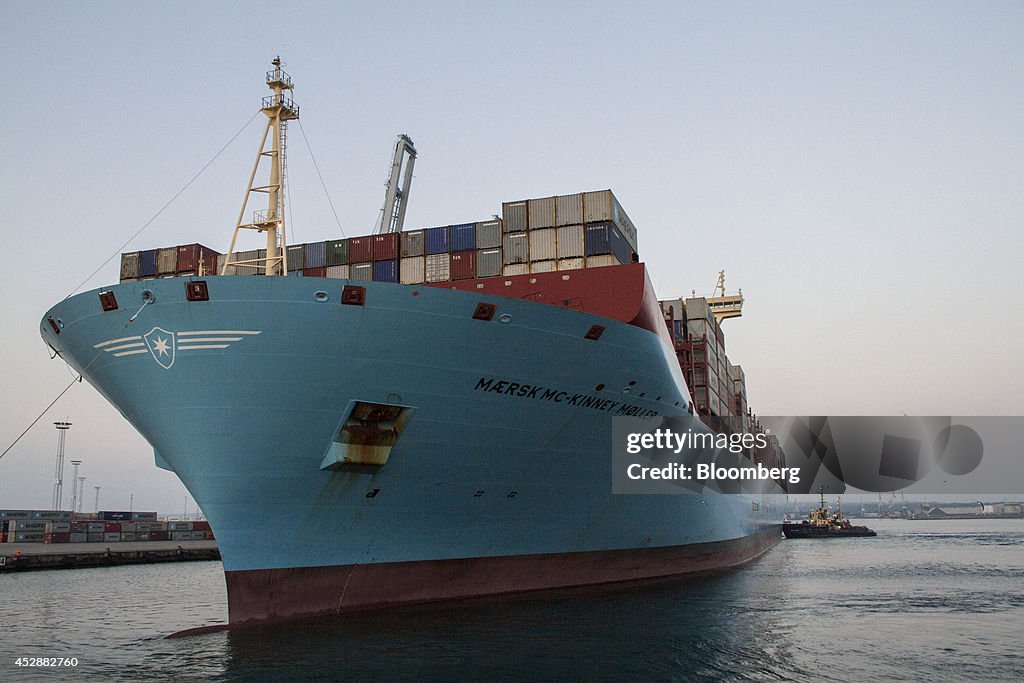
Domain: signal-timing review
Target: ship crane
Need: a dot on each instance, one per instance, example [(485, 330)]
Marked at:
[(723, 305), (396, 199)]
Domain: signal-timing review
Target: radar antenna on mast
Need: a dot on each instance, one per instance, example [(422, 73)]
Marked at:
[(392, 214), (280, 109)]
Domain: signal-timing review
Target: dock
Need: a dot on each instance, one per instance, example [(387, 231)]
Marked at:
[(35, 556)]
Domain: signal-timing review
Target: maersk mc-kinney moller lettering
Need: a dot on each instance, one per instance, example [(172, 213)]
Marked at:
[(350, 440)]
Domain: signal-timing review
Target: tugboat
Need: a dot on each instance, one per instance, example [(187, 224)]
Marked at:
[(824, 523)]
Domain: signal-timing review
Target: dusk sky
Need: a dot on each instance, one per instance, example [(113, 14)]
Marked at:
[(856, 168)]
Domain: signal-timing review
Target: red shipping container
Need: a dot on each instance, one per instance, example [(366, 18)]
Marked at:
[(158, 535), (360, 249), (315, 272), (189, 256), (385, 247), (112, 527), (200, 526), (57, 537), (464, 265), (3, 537)]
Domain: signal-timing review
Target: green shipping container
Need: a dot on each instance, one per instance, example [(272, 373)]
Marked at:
[(337, 253)]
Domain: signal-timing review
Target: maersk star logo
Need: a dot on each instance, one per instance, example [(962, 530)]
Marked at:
[(164, 345), (160, 343)]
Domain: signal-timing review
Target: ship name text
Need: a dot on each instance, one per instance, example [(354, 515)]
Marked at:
[(553, 395)]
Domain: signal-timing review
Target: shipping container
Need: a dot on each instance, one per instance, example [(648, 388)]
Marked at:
[(488, 234), (129, 526), (113, 515), (167, 261), (111, 536), (437, 241), (78, 537), (386, 271), (315, 272), (129, 536), (58, 527), (543, 266), (147, 263), (179, 526), (57, 537), (601, 261), (516, 248), (411, 270), (200, 525), (541, 213), (130, 265), (603, 206), (361, 271), (437, 267), (296, 257), (112, 527), (516, 269), (572, 263), (570, 241), (412, 243), (569, 210), (26, 525), (385, 248), (360, 250), (181, 535), (192, 256), (337, 272), (315, 255), (94, 537), (514, 216), (464, 265), (543, 244), (158, 535), (488, 262), (82, 527), (143, 536), (463, 237), (605, 238), (337, 253), (26, 536)]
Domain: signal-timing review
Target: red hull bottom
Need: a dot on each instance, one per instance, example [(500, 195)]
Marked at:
[(262, 595)]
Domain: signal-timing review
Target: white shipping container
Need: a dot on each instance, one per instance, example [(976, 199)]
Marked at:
[(570, 241), (543, 266), (543, 244), (111, 537), (513, 216), (569, 209), (361, 271), (411, 270), (601, 261), (488, 262), (572, 263), (516, 248), (542, 213), (338, 272), (516, 269), (488, 234), (438, 268)]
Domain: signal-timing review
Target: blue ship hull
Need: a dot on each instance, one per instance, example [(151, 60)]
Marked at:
[(499, 482)]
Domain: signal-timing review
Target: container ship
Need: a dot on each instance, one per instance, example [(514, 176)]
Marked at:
[(413, 416)]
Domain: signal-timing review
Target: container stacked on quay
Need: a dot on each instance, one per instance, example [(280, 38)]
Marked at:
[(45, 526), (421, 416)]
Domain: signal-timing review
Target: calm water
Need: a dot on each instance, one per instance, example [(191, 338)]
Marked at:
[(923, 601)]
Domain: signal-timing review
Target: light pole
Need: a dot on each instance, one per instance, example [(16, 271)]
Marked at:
[(74, 485), (97, 498), (58, 470), (81, 493)]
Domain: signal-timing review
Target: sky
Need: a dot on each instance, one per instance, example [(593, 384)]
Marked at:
[(856, 168)]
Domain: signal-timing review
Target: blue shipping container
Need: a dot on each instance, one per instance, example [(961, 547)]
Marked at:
[(463, 237), (437, 241), (316, 255), (679, 329), (385, 271), (605, 238), (147, 262)]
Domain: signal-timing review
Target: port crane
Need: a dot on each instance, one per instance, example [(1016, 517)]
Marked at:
[(396, 199)]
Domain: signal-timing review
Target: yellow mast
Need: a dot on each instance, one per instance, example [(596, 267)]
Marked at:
[(279, 109)]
